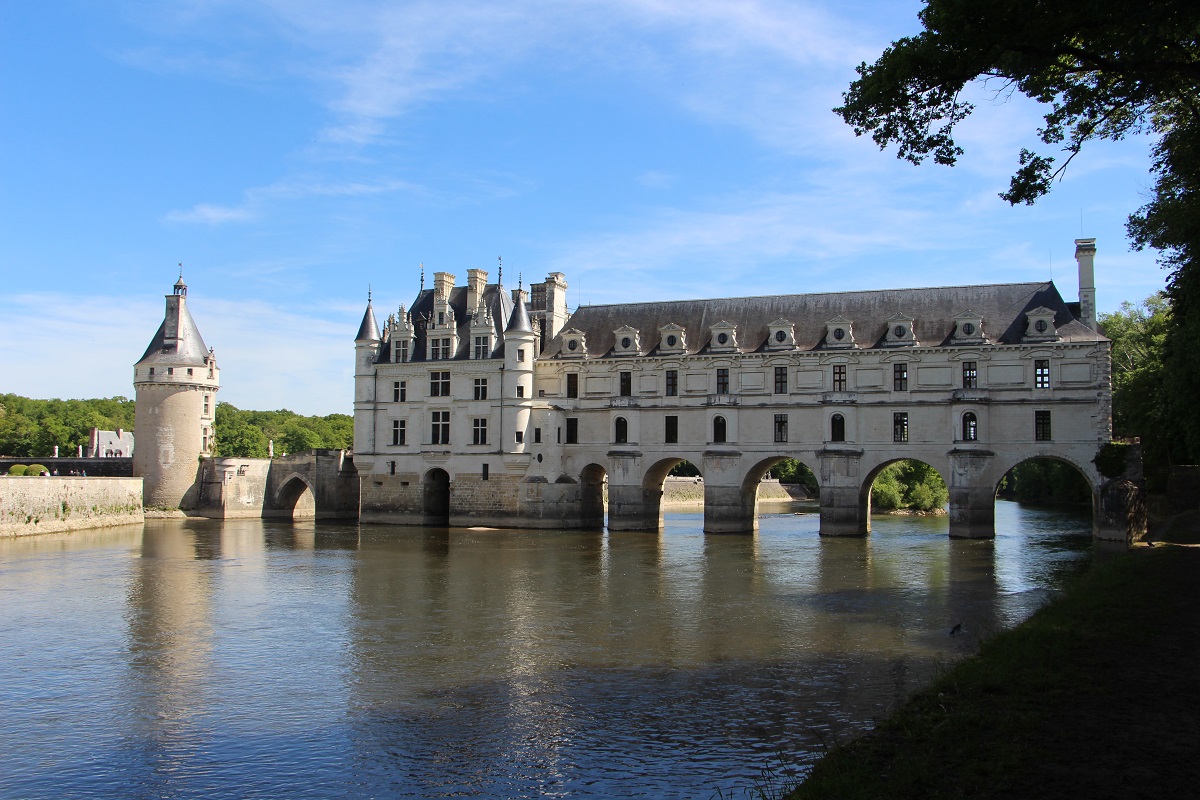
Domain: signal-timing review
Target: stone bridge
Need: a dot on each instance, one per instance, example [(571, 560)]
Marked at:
[(321, 484)]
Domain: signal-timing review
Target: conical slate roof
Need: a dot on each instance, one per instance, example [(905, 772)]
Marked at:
[(519, 321), (186, 348), (368, 330)]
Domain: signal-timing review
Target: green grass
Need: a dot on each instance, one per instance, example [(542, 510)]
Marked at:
[(1076, 702)]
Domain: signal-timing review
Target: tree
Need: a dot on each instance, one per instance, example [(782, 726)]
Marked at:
[(1138, 334), (1106, 70)]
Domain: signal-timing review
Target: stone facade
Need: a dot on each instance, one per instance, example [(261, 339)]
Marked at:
[(480, 406), (175, 383)]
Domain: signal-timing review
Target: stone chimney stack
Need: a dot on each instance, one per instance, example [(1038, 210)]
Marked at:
[(556, 304), (476, 283), (443, 282), (1085, 256)]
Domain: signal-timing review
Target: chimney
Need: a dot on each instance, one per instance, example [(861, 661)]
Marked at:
[(1085, 256), (443, 282), (476, 283)]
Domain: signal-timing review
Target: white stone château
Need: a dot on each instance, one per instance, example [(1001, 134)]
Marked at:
[(477, 406), (175, 384)]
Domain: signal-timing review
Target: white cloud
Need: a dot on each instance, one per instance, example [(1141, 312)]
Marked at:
[(206, 214)]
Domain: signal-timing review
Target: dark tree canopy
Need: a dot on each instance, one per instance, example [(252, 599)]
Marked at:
[(1105, 70)]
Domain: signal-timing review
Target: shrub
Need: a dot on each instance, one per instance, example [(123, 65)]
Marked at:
[(35, 469), (16, 469), (1110, 460)]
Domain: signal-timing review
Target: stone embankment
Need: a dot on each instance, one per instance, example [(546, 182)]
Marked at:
[(690, 491), (39, 504)]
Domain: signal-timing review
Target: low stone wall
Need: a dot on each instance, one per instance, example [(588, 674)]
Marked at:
[(92, 467), (32, 505), (687, 491)]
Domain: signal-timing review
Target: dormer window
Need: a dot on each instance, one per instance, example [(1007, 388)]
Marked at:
[(628, 342), (900, 332), (672, 339), (574, 343), (968, 328), (839, 333), (1040, 325), (780, 335), (724, 338)]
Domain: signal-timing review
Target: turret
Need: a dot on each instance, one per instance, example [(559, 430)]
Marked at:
[(366, 353), (519, 354), (175, 384)]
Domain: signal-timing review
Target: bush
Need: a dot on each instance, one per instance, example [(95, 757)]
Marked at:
[(16, 469), (35, 469), (1110, 460)]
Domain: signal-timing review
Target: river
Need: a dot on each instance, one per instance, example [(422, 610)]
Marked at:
[(253, 659)]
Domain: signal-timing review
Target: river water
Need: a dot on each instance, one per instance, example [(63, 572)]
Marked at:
[(252, 659)]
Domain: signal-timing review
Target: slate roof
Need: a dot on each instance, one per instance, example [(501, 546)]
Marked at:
[(498, 302), (1002, 307), (188, 349), (369, 329)]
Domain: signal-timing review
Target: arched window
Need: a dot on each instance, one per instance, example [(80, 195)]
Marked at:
[(970, 427), (718, 429), (837, 428), (621, 432)]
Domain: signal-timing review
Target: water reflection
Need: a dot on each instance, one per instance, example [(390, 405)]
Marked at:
[(263, 659)]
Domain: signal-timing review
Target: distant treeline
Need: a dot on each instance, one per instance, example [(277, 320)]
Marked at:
[(31, 428), (246, 433)]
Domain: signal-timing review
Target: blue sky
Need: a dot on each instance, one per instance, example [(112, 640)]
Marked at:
[(292, 153)]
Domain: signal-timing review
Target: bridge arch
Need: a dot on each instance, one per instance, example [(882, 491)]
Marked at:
[(1087, 478), (435, 497), (868, 483), (296, 498), (593, 481)]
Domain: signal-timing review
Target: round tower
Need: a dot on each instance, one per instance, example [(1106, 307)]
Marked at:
[(519, 353), (175, 384)]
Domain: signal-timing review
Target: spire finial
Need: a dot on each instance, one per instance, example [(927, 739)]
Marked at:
[(368, 293), (520, 280), (422, 276), (500, 276), (180, 270)]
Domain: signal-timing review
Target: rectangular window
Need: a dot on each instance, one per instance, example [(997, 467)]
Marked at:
[(626, 384), (900, 426), (520, 436), (839, 377), (723, 381), (399, 391), (483, 472), (671, 435), (970, 375), (189, 372), (483, 347), (479, 431), (781, 381), (781, 427), (439, 384), (170, 370), (1041, 426), (440, 429), (402, 351), (572, 384), (520, 354), (439, 349), (672, 383), (572, 430), (900, 377), (1041, 374), (481, 388), (398, 432), (520, 390), (537, 435), (206, 405)]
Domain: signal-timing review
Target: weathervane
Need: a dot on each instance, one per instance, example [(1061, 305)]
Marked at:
[(500, 277), (422, 276)]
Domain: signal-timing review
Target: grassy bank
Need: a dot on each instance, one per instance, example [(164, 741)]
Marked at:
[(1095, 696)]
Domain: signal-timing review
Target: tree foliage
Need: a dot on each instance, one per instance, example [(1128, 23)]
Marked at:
[(1138, 334), (1045, 481), (31, 428), (909, 484), (246, 433), (792, 471), (1106, 71)]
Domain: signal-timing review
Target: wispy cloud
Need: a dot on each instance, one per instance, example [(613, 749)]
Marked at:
[(205, 214)]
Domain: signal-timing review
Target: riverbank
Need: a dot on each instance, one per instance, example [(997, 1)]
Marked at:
[(1094, 696)]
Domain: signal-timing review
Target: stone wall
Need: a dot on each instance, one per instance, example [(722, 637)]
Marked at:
[(686, 491), (32, 505)]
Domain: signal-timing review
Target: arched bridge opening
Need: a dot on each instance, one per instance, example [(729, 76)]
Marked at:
[(296, 499)]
